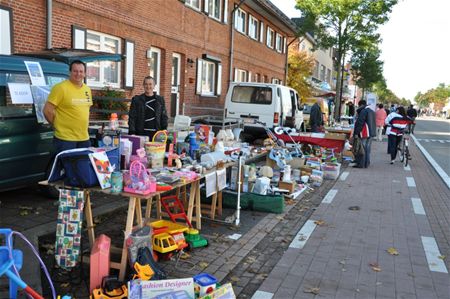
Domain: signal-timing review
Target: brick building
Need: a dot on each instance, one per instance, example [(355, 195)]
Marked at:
[(187, 46)]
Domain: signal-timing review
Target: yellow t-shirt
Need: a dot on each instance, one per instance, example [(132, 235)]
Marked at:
[(72, 110)]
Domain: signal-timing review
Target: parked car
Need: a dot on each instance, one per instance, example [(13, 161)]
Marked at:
[(272, 104), (25, 145)]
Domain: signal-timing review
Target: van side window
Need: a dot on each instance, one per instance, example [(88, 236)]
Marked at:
[(293, 102), (252, 95), (286, 103)]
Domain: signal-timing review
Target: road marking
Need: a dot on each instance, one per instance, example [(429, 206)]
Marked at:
[(426, 140), (417, 206), (303, 235), (344, 175), (436, 166), (441, 141), (330, 196), (410, 181), (407, 168), (432, 253), (262, 295)]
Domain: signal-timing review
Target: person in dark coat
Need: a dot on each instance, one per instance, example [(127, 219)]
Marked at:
[(351, 112), (316, 117), (365, 129), (147, 112), (412, 114)]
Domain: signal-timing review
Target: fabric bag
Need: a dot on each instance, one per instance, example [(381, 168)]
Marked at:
[(75, 167), (68, 228), (358, 148)]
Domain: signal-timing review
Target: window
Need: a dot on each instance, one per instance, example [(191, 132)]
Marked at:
[(195, 4), (6, 32), (322, 73), (303, 46), (214, 8), (101, 73), (240, 21), (252, 95), (253, 27), (328, 79), (257, 77), (209, 78), (240, 75), (316, 70), (269, 38), (276, 81), (279, 43), (154, 56)]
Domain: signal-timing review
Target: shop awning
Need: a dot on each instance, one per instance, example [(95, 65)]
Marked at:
[(67, 55)]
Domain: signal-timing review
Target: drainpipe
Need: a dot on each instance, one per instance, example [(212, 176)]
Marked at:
[(49, 23), (230, 78)]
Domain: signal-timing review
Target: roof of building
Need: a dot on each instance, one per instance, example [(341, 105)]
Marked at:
[(274, 14)]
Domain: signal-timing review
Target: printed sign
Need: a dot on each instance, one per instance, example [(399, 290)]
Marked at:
[(35, 72), (20, 93), (182, 288)]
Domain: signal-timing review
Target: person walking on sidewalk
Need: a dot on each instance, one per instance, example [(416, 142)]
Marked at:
[(147, 112), (412, 114), (397, 122), (380, 117), (316, 117), (365, 128)]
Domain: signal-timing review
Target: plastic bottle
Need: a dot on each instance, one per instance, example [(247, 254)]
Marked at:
[(113, 121)]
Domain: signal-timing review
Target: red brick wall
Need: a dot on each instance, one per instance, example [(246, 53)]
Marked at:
[(165, 24)]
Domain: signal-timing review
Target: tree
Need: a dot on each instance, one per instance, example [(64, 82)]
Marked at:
[(300, 67), (342, 24), (366, 67), (437, 96)]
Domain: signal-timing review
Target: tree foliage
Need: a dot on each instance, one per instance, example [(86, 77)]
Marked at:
[(438, 96), (300, 67), (343, 24)]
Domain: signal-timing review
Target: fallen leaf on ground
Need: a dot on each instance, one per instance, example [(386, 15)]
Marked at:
[(375, 267), (392, 251), (442, 257), (203, 264), (251, 270), (185, 256), (314, 291), (319, 222), (342, 262), (279, 217), (23, 213), (250, 260), (234, 278), (65, 284)]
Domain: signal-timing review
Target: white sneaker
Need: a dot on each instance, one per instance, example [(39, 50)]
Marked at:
[(392, 161), (352, 164)]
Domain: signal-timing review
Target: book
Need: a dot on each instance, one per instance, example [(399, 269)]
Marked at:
[(102, 168)]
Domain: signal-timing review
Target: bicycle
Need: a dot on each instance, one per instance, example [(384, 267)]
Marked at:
[(404, 149)]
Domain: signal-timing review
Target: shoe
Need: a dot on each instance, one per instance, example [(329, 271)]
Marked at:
[(356, 166), (352, 164), (392, 162)]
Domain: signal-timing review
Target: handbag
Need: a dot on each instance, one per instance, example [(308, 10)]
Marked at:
[(358, 148)]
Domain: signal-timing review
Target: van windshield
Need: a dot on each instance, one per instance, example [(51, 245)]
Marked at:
[(252, 95), (7, 107)]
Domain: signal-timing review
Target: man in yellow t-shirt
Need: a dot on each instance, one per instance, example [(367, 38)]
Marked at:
[(67, 109)]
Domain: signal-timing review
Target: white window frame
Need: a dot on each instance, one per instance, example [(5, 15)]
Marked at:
[(240, 24), (189, 3), (322, 72), (216, 86), (278, 43), (240, 75), (101, 82), (253, 26), (6, 34), (158, 67), (261, 31), (275, 81), (211, 8), (269, 37)]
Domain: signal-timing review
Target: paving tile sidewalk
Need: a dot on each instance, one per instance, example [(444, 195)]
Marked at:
[(346, 254)]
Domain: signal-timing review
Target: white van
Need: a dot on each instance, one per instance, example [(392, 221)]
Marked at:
[(272, 104)]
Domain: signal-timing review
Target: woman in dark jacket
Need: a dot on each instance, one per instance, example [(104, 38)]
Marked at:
[(147, 112)]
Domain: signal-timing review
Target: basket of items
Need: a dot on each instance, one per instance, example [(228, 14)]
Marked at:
[(137, 180)]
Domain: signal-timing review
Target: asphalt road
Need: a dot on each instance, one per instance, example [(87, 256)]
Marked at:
[(434, 135)]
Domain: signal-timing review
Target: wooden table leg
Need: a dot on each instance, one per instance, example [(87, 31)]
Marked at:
[(138, 212), (219, 202), (148, 208), (213, 206), (198, 207), (158, 206), (89, 219), (128, 228), (192, 193)]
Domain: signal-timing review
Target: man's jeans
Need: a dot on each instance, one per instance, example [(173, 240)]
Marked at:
[(62, 145), (364, 161)]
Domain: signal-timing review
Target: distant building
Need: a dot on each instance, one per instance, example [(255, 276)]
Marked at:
[(185, 45)]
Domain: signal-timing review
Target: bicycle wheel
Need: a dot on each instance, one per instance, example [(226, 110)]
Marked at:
[(406, 156), (402, 151)]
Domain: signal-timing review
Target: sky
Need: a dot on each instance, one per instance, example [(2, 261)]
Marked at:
[(415, 47)]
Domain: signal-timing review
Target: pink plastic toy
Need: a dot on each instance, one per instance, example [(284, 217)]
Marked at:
[(99, 261)]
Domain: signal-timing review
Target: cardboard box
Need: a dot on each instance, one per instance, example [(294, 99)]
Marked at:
[(296, 163), (306, 170), (287, 185)]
